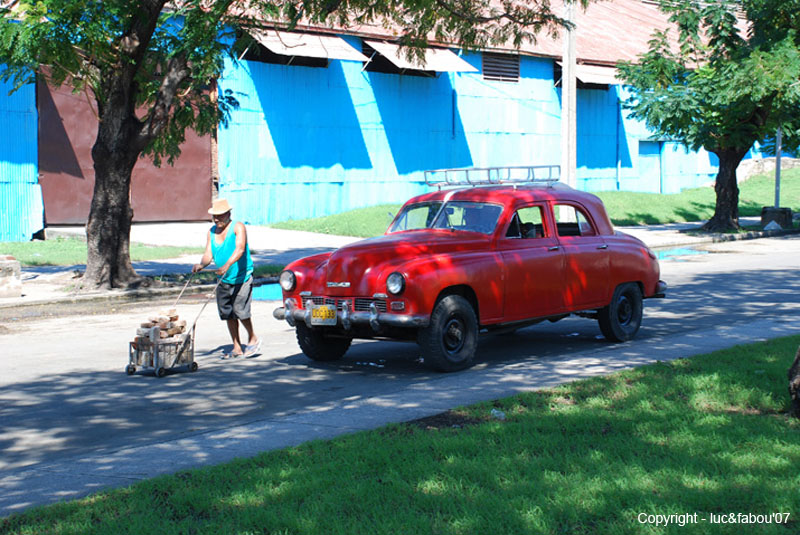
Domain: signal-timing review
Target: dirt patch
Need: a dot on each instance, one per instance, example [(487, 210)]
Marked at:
[(447, 420), (19, 315)]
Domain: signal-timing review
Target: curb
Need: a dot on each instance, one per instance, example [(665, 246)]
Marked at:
[(721, 238), (127, 296)]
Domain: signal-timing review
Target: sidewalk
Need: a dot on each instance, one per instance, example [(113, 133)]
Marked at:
[(47, 284)]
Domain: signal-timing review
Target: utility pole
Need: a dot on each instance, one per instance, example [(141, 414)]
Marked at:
[(568, 101), (778, 143), (771, 215)]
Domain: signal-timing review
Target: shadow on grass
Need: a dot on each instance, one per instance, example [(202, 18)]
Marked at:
[(750, 208), (635, 219), (693, 211)]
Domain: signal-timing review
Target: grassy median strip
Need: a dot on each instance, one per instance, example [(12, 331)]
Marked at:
[(624, 208), (697, 204), (361, 222), (71, 251), (703, 435)]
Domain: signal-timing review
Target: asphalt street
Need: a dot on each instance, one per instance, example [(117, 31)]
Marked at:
[(72, 422)]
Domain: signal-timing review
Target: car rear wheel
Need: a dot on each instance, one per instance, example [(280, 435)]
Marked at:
[(621, 319), (317, 346), (450, 340)]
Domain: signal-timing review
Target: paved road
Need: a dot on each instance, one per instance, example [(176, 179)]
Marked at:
[(72, 422)]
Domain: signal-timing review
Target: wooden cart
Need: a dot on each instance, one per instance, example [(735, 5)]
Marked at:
[(161, 354)]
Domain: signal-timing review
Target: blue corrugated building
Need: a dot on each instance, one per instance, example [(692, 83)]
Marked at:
[(329, 121), (21, 207), (309, 141)]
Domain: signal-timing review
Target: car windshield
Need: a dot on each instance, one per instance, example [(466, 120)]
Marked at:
[(454, 215)]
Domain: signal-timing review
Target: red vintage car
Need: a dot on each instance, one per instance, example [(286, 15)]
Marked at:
[(465, 260)]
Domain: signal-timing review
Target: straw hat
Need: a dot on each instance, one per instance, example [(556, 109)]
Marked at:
[(220, 206)]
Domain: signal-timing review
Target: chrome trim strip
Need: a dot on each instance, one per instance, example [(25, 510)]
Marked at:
[(346, 315), (373, 317), (358, 318)]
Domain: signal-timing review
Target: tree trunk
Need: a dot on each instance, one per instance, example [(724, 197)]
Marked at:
[(726, 212), (794, 385), (121, 138), (115, 152)]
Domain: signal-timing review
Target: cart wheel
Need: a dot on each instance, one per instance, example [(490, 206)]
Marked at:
[(130, 369), (193, 367), (160, 372)]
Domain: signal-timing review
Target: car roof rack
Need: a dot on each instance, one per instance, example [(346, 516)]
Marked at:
[(540, 175)]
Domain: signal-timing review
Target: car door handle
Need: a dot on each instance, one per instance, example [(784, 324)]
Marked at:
[(554, 248), (604, 246)]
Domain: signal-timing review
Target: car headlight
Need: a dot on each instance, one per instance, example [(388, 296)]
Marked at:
[(395, 283), (287, 280)]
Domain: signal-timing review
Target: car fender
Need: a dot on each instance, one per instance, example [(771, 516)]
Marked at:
[(309, 273), (633, 261), (427, 278)]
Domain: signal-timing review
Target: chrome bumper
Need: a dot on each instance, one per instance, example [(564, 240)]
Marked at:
[(347, 318), (661, 289)]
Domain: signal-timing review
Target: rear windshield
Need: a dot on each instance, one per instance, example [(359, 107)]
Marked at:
[(454, 215)]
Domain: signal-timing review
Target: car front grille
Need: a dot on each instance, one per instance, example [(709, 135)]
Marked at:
[(362, 304), (357, 304)]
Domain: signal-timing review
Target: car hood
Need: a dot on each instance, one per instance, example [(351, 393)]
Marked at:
[(361, 268)]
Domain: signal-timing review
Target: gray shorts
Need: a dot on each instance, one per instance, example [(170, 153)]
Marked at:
[(233, 300)]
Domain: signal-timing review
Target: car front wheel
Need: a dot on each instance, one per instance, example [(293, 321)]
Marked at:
[(450, 340), (317, 346), (621, 319)]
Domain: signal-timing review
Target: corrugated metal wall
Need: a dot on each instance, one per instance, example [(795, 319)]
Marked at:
[(307, 142), (21, 207), (599, 136), (68, 130), (655, 165)]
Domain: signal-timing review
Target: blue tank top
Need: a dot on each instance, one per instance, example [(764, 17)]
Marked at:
[(243, 268)]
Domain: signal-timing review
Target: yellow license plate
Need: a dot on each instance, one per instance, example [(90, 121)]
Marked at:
[(323, 315)]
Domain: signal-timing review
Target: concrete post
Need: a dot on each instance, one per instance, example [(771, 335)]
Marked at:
[(568, 102), (10, 277)]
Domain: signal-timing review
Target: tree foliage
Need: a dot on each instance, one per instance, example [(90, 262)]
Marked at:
[(726, 76), (166, 59), (150, 66)]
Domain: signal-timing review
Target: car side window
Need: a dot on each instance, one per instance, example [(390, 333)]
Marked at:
[(572, 221), (513, 228), (526, 223)]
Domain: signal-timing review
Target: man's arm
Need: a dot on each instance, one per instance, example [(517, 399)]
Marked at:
[(207, 257)]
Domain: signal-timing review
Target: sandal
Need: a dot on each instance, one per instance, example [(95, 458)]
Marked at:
[(252, 349)]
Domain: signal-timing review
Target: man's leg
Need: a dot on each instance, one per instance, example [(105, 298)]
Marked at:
[(251, 334), (241, 307), (233, 328), (225, 299)]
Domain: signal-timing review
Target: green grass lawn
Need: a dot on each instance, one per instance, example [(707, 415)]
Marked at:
[(624, 208), (703, 435), (69, 251), (362, 222)]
